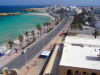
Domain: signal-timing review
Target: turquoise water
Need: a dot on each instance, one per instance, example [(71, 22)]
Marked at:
[(12, 26)]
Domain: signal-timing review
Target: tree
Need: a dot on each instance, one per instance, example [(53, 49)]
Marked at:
[(96, 33), (37, 26), (44, 27), (71, 26), (26, 33), (20, 38), (89, 12), (33, 33), (11, 43), (49, 24), (55, 21), (80, 25), (52, 23), (40, 28), (89, 19)]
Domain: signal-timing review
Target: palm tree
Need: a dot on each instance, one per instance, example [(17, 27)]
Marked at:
[(44, 27), (52, 23), (71, 26), (26, 33), (33, 33), (11, 43), (89, 19), (55, 21), (80, 25), (37, 26), (20, 38), (96, 33), (60, 17), (40, 28), (49, 24)]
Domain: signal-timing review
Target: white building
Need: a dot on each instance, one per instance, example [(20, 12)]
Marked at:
[(58, 6), (96, 10), (77, 10), (80, 56), (73, 7)]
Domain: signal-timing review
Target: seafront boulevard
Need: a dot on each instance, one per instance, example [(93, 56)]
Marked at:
[(19, 52), (56, 29), (36, 70)]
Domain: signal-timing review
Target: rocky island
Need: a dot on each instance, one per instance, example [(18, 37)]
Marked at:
[(32, 9), (8, 14)]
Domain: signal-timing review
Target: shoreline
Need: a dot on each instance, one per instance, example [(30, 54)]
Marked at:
[(24, 37)]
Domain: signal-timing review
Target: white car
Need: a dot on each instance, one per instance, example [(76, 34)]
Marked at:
[(23, 51)]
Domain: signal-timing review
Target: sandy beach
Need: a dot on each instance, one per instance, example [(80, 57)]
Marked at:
[(3, 47), (43, 14)]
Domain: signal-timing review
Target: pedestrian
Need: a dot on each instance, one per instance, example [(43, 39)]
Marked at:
[(27, 67), (35, 62), (42, 34)]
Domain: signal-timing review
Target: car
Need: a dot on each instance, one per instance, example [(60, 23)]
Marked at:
[(23, 51)]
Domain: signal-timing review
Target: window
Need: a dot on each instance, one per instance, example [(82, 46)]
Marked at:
[(76, 72), (84, 72)]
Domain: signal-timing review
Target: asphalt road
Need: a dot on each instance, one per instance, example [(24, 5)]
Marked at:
[(20, 61)]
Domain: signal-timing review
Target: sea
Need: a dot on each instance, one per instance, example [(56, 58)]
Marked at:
[(13, 26)]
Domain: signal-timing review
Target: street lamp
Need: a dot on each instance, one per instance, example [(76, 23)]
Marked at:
[(25, 58)]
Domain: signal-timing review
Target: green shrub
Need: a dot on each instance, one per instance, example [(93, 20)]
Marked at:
[(34, 38), (26, 45), (23, 48), (62, 40), (49, 30), (57, 23), (29, 44)]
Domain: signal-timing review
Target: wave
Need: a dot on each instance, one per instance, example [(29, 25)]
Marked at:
[(27, 29)]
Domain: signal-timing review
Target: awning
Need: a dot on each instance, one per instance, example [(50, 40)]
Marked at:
[(45, 53), (61, 33)]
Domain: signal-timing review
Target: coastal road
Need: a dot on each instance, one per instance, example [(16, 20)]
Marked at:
[(20, 61)]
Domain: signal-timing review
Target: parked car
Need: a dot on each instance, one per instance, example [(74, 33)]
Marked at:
[(23, 52)]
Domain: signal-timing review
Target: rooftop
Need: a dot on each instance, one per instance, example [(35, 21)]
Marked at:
[(81, 57)]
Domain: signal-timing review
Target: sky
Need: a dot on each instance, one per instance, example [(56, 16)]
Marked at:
[(50, 2)]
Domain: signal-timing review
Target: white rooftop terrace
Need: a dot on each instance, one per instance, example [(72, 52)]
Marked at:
[(80, 40), (81, 57)]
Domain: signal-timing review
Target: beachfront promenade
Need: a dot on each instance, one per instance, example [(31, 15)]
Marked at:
[(20, 61)]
